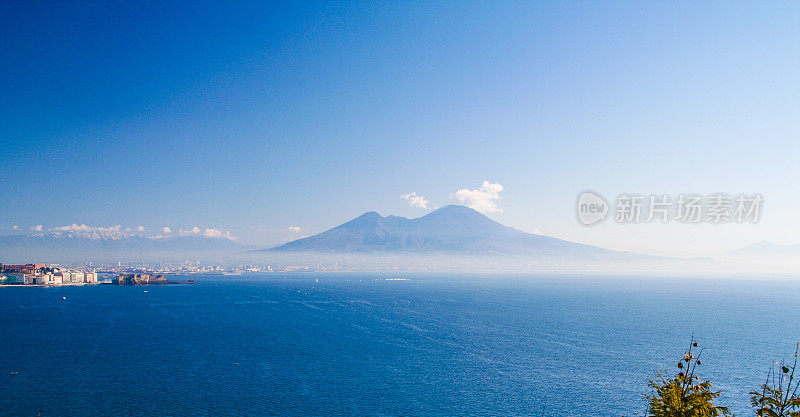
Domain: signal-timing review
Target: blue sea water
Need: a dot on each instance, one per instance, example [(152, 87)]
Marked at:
[(357, 344)]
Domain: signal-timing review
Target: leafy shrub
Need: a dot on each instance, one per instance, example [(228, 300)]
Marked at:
[(778, 396), (683, 395)]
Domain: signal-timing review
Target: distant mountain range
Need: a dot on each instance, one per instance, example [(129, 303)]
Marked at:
[(454, 230), (59, 241), (766, 250), (102, 246)]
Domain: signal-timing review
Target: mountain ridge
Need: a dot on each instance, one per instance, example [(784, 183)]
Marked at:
[(765, 249), (451, 229), (69, 247)]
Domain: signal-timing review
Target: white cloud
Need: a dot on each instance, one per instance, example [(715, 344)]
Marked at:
[(74, 227), (212, 233), (206, 232), (193, 231), (483, 199), (121, 231), (294, 229), (216, 233), (415, 200)]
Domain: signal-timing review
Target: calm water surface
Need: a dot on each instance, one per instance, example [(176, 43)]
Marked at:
[(356, 344)]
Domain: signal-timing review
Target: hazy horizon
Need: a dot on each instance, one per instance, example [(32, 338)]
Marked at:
[(455, 238)]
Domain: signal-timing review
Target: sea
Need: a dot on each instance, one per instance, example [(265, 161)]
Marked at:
[(378, 344)]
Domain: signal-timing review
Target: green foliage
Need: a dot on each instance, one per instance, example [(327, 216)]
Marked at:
[(683, 395), (778, 396)]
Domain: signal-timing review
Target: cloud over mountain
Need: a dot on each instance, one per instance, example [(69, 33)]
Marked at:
[(483, 199), (216, 233), (119, 232), (76, 243), (415, 200), (74, 227)]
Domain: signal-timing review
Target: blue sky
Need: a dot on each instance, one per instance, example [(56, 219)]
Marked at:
[(252, 117)]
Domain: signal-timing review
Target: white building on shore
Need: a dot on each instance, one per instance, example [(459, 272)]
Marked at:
[(41, 274)]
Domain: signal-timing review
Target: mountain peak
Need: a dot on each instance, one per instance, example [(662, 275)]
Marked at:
[(366, 218), (455, 214), (455, 208)]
